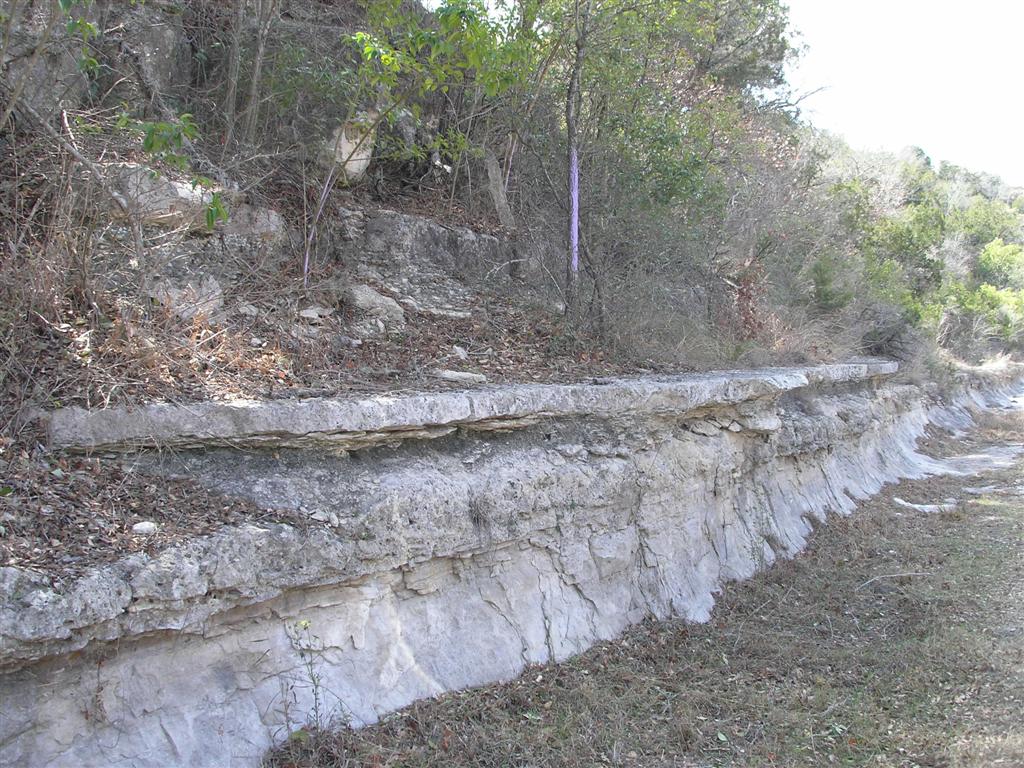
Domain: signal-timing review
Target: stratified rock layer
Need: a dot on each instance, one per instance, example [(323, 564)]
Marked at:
[(463, 536)]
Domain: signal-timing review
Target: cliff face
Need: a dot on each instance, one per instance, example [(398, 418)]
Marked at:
[(462, 537)]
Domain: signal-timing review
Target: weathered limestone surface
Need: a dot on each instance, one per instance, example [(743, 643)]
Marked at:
[(152, 34), (534, 522), (347, 423), (154, 199), (421, 259), (350, 147)]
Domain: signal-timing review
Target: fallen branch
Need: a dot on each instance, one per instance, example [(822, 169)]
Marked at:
[(889, 576)]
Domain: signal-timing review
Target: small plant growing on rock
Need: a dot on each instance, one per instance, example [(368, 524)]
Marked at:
[(309, 646)]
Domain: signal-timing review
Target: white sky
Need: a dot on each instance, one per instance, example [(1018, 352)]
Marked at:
[(944, 75)]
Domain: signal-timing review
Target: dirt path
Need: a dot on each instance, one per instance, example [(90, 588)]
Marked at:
[(897, 639)]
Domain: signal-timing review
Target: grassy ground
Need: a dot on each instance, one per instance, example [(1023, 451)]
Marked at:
[(897, 639)]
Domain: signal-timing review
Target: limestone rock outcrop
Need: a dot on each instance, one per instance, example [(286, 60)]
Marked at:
[(350, 147), (155, 199), (461, 536), (377, 314)]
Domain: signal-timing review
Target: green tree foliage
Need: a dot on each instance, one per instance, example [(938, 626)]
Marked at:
[(741, 44), (1001, 264), (828, 296), (911, 238), (985, 220), (403, 54), (943, 248), (665, 107), (701, 197)]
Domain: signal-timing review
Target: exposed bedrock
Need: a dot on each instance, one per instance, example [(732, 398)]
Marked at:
[(460, 538)]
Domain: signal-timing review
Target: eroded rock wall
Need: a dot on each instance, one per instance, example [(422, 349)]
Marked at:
[(498, 529)]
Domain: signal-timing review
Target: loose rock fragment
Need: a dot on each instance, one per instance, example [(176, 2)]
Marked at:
[(461, 377)]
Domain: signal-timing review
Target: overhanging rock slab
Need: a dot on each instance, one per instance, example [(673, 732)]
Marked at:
[(358, 422)]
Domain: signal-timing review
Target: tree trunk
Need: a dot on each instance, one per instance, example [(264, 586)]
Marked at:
[(496, 188), (572, 99), (234, 67), (267, 9)]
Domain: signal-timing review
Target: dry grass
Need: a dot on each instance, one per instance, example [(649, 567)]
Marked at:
[(830, 659)]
